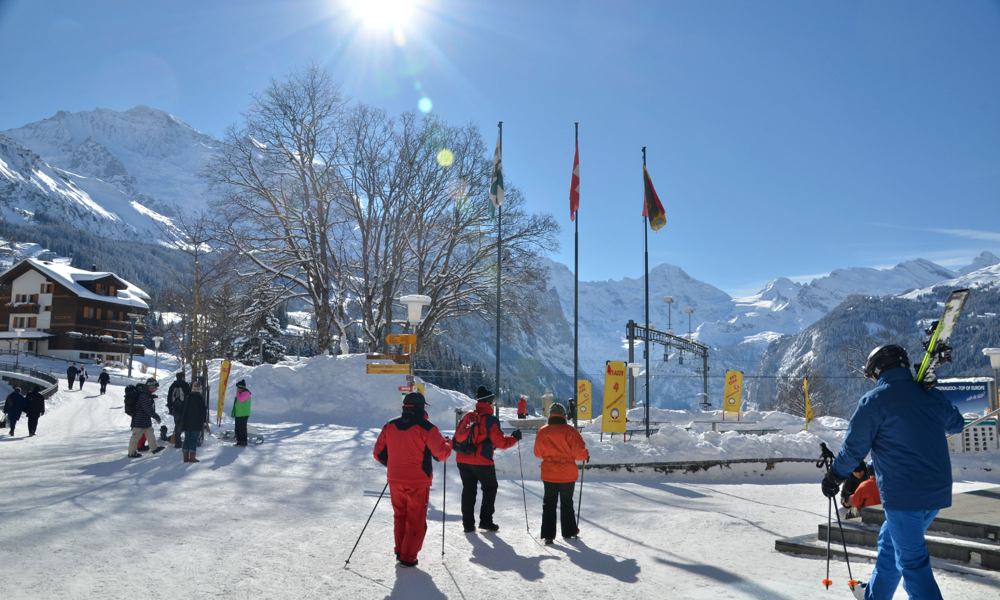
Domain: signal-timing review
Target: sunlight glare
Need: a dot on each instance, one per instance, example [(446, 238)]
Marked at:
[(390, 15)]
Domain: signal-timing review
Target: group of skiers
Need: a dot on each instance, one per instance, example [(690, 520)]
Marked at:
[(406, 445), (16, 404), (187, 406)]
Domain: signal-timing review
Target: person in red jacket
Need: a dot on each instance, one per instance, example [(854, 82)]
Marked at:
[(522, 408), (406, 446), (559, 445), (477, 468)]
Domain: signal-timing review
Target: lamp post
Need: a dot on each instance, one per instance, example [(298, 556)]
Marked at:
[(689, 312), (670, 304), (132, 318), (635, 368), (157, 340), (17, 357), (415, 304), (994, 356)]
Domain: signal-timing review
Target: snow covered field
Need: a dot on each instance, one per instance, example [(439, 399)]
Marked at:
[(80, 520)]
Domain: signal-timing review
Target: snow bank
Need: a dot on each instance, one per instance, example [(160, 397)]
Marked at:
[(330, 390)]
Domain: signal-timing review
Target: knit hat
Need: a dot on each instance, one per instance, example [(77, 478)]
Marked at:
[(557, 410), (483, 394), (241, 383), (415, 401), (152, 382)]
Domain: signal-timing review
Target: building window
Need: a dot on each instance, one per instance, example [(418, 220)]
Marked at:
[(48, 309), (32, 322), (19, 298), (89, 312), (46, 288), (33, 298), (100, 312)]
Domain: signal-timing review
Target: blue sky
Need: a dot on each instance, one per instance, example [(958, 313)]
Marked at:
[(784, 138)]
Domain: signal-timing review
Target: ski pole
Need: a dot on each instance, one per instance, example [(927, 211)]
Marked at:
[(348, 561), (827, 582), (524, 495), (851, 582), (444, 499), (579, 500)]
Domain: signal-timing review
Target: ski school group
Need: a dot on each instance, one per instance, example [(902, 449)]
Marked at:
[(902, 423)]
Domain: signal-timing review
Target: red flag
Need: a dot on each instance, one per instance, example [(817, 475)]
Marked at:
[(574, 185), (652, 209)]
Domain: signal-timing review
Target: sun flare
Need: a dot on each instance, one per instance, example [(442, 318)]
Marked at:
[(383, 14)]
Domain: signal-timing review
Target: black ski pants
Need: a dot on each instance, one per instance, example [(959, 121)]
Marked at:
[(32, 423), (561, 493), (473, 476), (241, 430), (104, 387)]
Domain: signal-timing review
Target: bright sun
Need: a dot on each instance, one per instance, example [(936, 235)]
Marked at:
[(383, 14)]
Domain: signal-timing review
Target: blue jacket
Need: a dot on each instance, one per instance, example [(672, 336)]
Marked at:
[(904, 426)]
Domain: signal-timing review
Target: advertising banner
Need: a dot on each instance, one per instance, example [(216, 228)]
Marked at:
[(583, 400), (613, 418), (732, 395)]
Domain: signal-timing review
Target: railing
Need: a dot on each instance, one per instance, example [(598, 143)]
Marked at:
[(993, 414), (47, 377)]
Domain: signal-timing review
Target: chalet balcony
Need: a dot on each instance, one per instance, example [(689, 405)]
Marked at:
[(24, 307)]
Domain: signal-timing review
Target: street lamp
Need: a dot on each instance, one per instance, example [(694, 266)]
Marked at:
[(132, 318), (689, 312), (670, 304), (17, 357), (157, 340), (634, 369)]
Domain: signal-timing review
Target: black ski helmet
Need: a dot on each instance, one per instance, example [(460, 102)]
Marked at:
[(885, 357)]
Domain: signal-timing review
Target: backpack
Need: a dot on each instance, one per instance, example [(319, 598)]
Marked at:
[(470, 433), (175, 403), (131, 398)]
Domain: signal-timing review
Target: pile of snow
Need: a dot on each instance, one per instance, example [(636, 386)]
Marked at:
[(330, 390)]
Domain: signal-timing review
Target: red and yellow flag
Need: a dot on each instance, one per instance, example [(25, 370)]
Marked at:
[(574, 185), (652, 209)]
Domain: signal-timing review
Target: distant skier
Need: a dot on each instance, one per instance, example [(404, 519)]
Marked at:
[(13, 406), (192, 418), (559, 445), (904, 426), (71, 374), (81, 375), (176, 394), (571, 415), (104, 379), (522, 408), (405, 445), (475, 460), (241, 412), (35, 407), (142, 420)]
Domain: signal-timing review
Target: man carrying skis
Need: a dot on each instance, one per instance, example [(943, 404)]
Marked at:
[(405, 445), (176, 394), (904, 427), (477, 436)]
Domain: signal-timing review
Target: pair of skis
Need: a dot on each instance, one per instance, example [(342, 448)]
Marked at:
[(937, 350)]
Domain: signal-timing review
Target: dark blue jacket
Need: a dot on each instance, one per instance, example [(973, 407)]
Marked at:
[(904, 426), (145, 410)]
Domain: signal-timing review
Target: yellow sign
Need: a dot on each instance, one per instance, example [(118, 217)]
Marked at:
[(223, 381), (389, 369), (809, 406), (732, 395), (613, 419), (401, 338), (583, 400)]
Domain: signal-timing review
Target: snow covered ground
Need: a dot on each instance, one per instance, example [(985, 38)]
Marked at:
[(80, 520)]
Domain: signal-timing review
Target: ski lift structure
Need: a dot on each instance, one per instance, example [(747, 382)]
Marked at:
[(634, 331)]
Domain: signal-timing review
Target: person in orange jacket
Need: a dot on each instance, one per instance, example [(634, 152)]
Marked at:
[(405, 446), (866, 494), (477, 468), (559, 445)]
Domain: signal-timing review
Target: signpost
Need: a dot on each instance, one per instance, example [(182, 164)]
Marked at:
[(378, 369), (732, 395), (613, 419)]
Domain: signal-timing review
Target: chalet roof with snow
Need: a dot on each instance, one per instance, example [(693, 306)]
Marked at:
[(72, 279)]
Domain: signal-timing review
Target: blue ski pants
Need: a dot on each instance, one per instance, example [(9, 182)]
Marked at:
[(902, 552)]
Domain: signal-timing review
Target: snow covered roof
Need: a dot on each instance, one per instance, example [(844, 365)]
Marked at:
[(25, 335), (71, 278)]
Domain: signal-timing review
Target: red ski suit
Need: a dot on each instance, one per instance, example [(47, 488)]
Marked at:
[(406, 446), (493, 438), (522, 407)]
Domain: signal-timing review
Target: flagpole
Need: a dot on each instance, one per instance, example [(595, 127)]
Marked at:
[(496, 379), (576, 291), (645, 279)]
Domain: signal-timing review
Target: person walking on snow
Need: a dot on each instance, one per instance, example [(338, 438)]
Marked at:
[(176, 394), (35, 407), (241, 412), (522, 408), (903, 425), (405, 446), (13, 406), (192, 418), (104, 379), (142, 420), (71, 374), (477, 468), (81, 375), (559, 445)]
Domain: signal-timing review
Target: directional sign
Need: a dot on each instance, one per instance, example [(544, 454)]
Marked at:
[(399, 358), (406, 339), (389, 370)]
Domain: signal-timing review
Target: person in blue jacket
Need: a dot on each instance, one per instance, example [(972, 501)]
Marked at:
[(904, 427)]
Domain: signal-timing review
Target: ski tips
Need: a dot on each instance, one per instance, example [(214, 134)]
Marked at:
[(827, 583), (852, 583)]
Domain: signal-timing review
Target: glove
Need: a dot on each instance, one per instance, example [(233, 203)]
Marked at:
[(831, 485), (516, 434)]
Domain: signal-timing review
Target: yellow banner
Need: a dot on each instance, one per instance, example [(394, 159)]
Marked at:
[(583, 400), (223, 381), (809, 406), (613, 419), (732, 395)]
